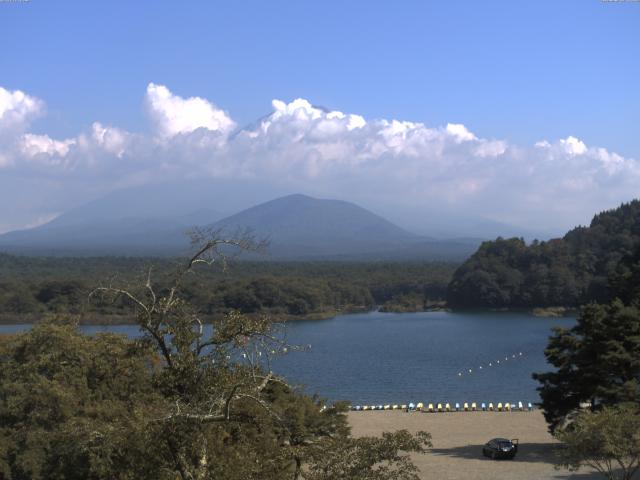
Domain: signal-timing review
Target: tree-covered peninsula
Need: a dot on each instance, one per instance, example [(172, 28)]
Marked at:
[(568, 271)]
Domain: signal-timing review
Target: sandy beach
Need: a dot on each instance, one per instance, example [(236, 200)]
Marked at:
[(458, 438)]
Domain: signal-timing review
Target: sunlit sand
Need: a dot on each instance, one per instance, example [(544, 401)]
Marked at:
[(458, 438)]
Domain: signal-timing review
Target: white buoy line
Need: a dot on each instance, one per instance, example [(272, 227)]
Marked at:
[(491, 364), (447, 407)]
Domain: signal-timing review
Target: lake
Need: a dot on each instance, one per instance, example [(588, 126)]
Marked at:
[(380, 358)]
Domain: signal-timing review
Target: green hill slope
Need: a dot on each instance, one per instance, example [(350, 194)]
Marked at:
[(568, 271)]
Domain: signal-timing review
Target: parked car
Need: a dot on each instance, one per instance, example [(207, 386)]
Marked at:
[(500, 448)]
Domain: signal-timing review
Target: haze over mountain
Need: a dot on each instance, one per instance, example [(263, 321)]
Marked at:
[(150, 219), (154, 221), (301, 226)]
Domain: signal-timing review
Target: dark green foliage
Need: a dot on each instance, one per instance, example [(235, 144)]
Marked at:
[(183, 402), (32, 286), (625, 280), (69, 403), (568, 272), (597, 361)]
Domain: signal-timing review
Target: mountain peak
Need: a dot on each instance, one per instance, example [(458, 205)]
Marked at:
[(299, 227), (295, 197)]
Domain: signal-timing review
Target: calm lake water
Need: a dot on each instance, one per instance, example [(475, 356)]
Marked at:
[(379, 358)]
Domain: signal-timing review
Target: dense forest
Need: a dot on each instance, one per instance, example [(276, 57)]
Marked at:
[(33, 286), (568, 271), (597, 360), (180, 402)]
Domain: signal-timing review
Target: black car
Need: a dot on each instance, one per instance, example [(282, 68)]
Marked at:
[(500, 448)]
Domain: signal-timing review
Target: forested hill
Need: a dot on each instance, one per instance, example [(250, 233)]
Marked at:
[(567, 271)]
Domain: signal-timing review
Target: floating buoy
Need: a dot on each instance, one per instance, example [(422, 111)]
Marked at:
[(459, 374), (447, 407)]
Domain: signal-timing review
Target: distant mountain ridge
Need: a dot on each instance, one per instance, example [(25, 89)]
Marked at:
[(299, 227)]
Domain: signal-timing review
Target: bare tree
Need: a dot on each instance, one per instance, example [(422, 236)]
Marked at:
[(219, 390), (207, 368)]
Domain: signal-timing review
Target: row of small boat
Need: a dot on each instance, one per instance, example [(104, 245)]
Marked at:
[(446, 407)]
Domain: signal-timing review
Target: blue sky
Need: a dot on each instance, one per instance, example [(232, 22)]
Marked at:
[(517, 71), (520, 70)]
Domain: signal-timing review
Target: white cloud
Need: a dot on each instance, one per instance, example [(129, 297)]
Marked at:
[(17, 109), (390, 163), (34, 145), (460, 132), (573, 146), (113, 140), (174, 115), (490, 148)]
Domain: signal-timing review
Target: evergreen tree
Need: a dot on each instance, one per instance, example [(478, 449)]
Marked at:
[(597, 362)]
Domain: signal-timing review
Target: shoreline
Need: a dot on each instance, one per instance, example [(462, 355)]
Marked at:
[(102, 319)]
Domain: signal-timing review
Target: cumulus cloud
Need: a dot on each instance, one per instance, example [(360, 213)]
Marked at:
[(17, 109), (301, 147), (35, 145), (174, 115), (460, 132), (573, 146), (111, 139)]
